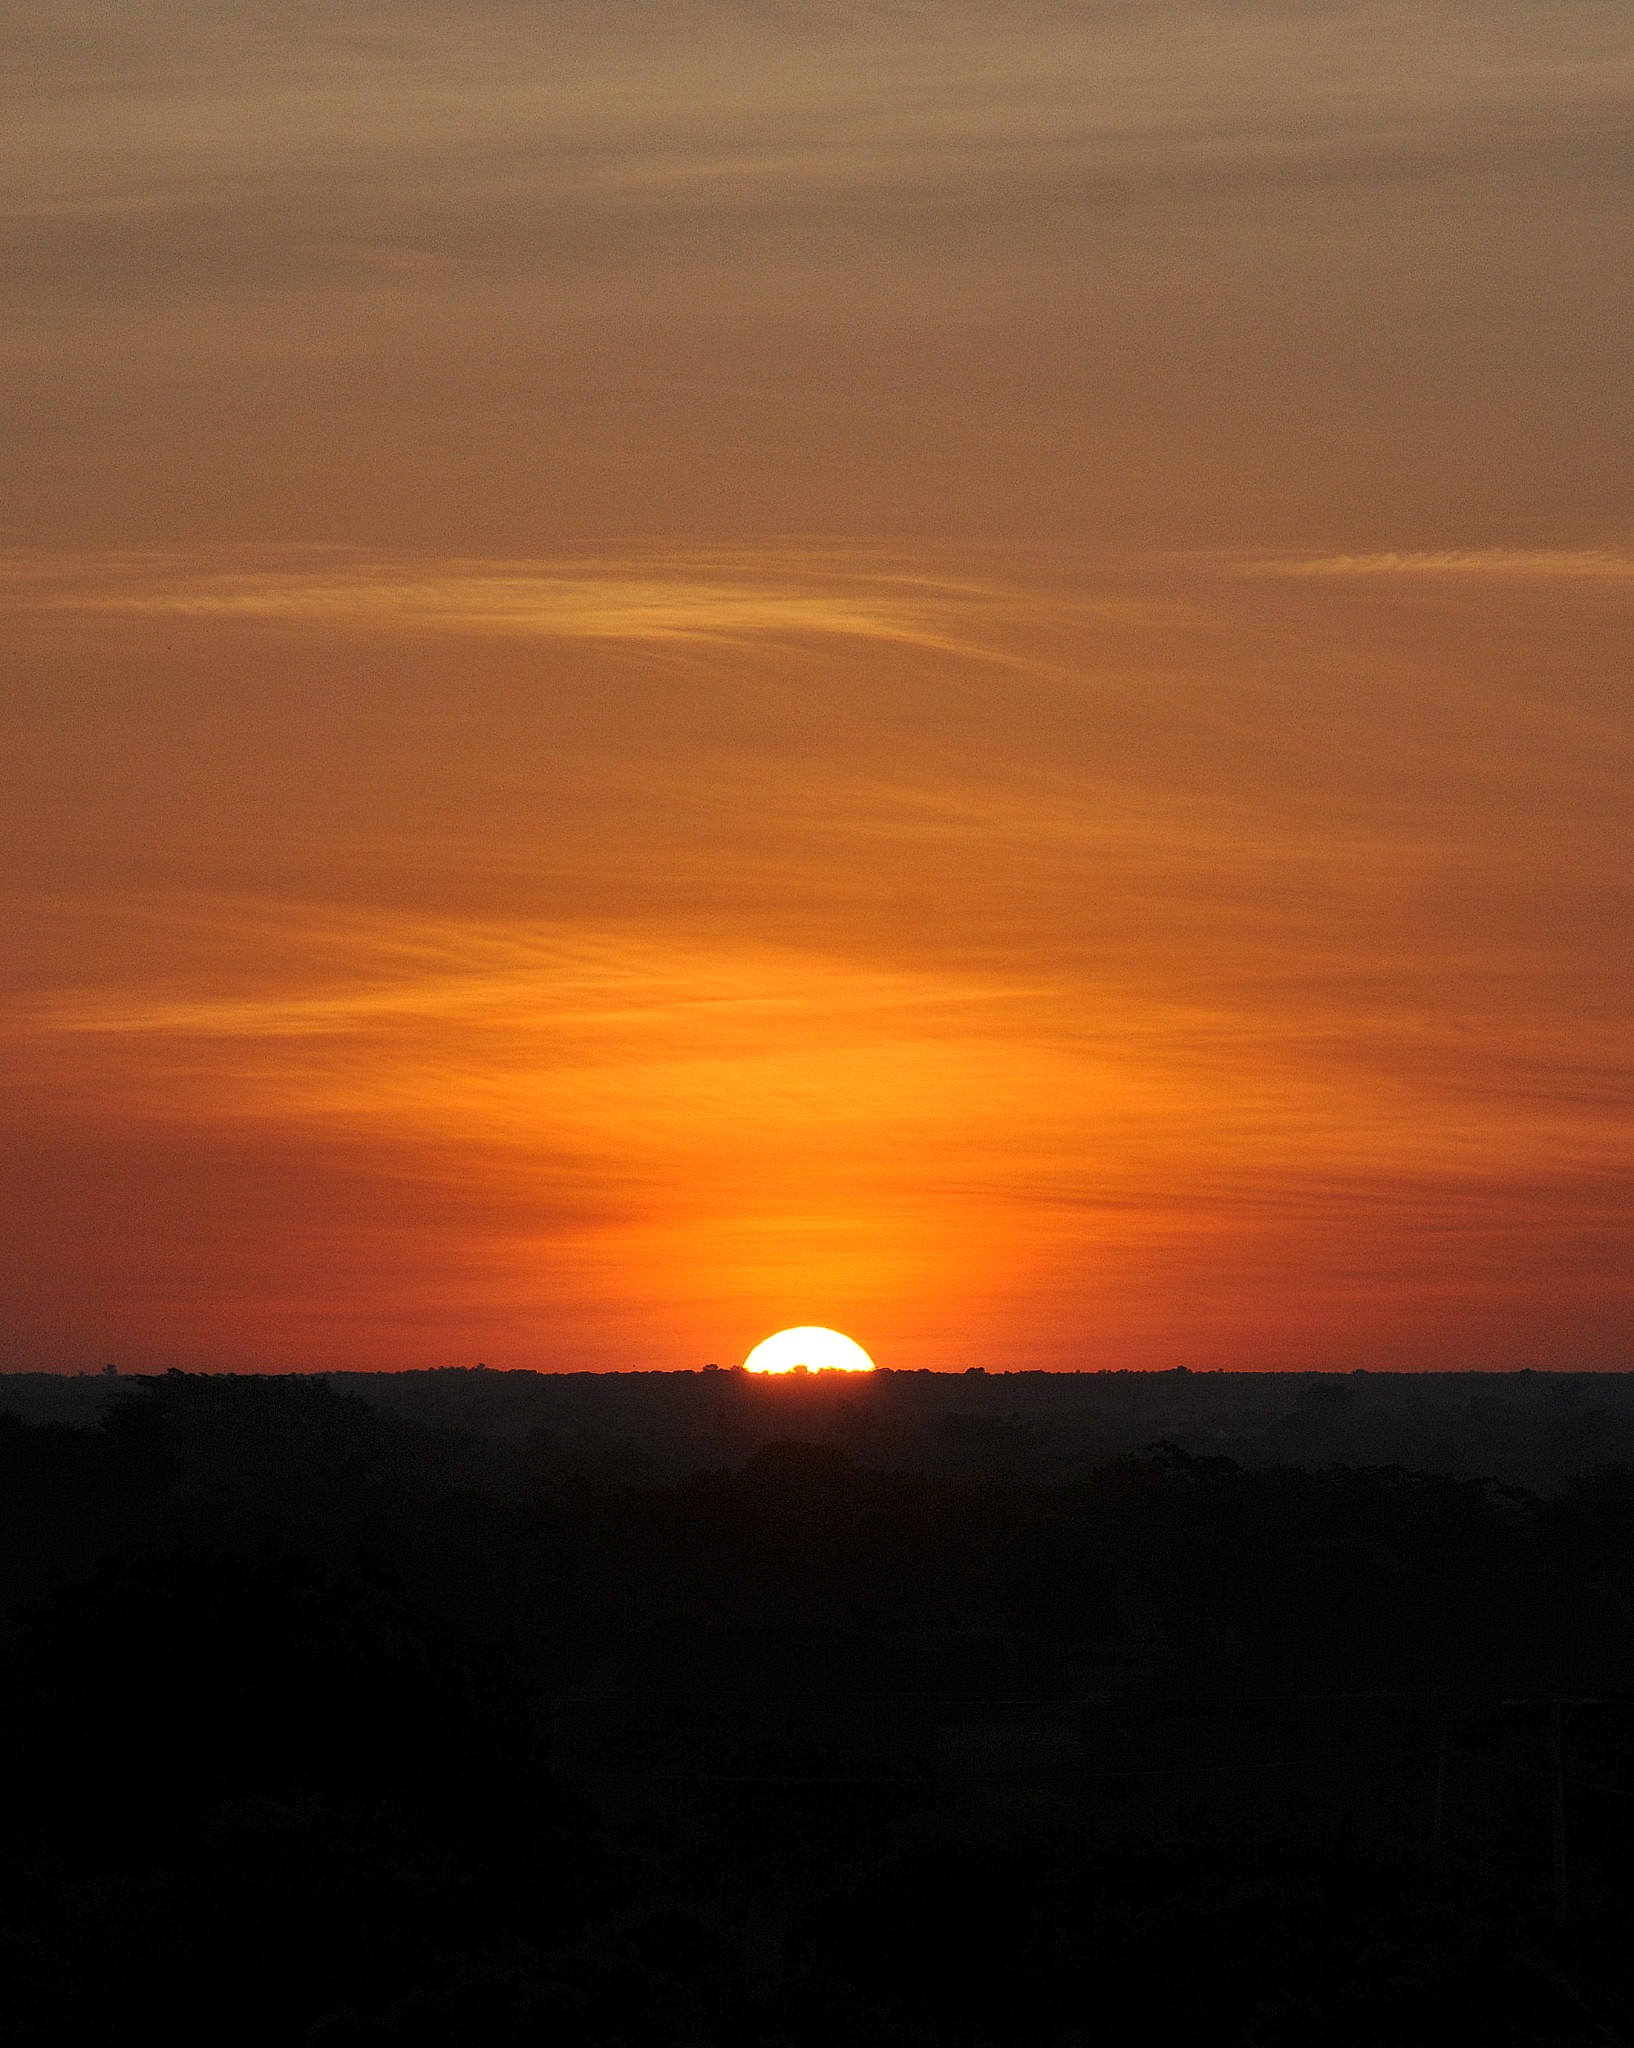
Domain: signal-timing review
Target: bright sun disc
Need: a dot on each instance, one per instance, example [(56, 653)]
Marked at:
[(816, 1349)]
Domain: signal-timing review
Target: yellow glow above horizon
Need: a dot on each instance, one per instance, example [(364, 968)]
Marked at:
[(811, 1346)]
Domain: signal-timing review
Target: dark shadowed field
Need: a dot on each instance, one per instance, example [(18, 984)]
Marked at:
[(997, 1712)]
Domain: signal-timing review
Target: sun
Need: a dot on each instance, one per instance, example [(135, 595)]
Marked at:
[(818, 1350)]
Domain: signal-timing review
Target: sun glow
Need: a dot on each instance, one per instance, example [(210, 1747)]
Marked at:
[(816, 1349)]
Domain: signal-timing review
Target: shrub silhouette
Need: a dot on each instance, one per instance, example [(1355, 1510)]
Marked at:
[(251, 1789), (170, 1680)]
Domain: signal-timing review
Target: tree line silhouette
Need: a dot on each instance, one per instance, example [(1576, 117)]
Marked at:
[(327, 1724), (1532, 1429)]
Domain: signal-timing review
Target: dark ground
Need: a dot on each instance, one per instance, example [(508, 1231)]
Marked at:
[(1530, 1429), (466, 1708)]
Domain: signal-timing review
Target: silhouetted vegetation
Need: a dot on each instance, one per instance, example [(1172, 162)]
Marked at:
[(1537, 1430), (325, 1723)]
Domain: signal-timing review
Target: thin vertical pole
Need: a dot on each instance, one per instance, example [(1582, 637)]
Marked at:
[(1557, 1807)]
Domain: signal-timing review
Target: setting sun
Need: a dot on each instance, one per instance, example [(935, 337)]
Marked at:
[(818, 1350)]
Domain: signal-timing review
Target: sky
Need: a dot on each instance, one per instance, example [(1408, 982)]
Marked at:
[(955, 671)]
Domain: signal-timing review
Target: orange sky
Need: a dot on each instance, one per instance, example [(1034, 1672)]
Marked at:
[(957, 672)]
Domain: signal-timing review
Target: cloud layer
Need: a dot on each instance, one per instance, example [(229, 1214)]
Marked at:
[(954, 670), (1117, 962)]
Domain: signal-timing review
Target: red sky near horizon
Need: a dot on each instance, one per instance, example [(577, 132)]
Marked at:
[(961, 672)]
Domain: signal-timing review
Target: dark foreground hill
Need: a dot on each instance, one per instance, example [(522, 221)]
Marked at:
[(328, 1725)]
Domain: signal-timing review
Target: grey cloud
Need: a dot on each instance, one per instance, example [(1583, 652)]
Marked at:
[(542, 213)]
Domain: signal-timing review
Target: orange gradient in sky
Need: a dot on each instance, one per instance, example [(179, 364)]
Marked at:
[(950, 671), (1071, 972)]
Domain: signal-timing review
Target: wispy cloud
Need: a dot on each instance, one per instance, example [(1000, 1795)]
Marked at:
[(150, 149), (729, 596), (1609, 565), (347, 972)]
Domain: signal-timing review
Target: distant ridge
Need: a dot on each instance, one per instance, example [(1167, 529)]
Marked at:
[(1526, 1428)]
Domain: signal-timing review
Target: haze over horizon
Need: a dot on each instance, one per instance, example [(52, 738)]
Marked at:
[(954, 672)]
